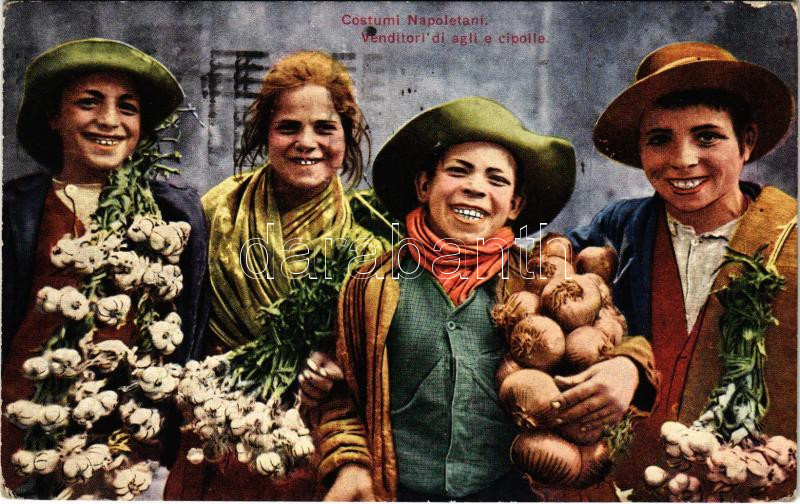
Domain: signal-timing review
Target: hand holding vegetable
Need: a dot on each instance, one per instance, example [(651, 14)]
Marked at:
[(317, 378), (353, 483), (601, 394)]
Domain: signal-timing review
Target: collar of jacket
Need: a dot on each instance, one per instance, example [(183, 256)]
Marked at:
[(633, 280)]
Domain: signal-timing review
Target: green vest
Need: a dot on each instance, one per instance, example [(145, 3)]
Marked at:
[(451, 436)]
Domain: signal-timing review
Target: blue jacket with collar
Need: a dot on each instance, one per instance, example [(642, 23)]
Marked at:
[(630, 227)]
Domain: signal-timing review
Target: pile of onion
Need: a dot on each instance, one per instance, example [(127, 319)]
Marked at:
[(563, 322)]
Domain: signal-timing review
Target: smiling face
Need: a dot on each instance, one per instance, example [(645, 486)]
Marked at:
[(694, 160), (471, 194), (98, 121), (306, 143)]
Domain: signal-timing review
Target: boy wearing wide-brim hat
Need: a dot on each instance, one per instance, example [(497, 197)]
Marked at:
[(418, 349), (694, 116), (85, 106)]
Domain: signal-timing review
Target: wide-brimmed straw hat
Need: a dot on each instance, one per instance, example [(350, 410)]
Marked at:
[(545, 164), (685, 66), (47, 74)]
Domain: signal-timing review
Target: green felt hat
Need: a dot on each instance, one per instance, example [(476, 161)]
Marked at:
[(545, 164), (47, 74)]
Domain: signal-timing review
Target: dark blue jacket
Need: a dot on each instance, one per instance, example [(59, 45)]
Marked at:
[(630, 227), (23, 204)]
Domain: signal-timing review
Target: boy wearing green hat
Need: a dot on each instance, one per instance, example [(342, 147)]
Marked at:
[(415, 341), (692, 119), (86, 105)]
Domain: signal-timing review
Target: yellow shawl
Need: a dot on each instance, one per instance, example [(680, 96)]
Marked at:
[(246, 229)]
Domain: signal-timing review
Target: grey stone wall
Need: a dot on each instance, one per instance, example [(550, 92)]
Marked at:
[(220, 50)]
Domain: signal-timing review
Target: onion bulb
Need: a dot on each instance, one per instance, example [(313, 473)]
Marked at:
[(537, 342), (608, 322), (599, 260), (544, 271), (550, 459), (572, 302), (595, 464), (585, 346), (517, 305), (602, 286), (531, 397), (557, 245), (547, 458), (507, 366)]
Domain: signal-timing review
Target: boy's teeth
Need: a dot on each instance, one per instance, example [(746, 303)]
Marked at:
[(686, 184), (469, 213), (106, 141), (306, 162)]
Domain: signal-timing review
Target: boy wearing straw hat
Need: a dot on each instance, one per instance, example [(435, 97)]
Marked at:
[(416, 344), (694, 116), (86, 105)]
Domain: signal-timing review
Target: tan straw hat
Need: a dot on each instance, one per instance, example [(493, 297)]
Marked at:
[(685, 66)]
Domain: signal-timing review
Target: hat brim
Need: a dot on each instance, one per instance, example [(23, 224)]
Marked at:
[(616, 133), (546, 164), (160, 93)]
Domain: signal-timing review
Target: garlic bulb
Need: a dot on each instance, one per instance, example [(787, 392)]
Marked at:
[(53, 416), (195, 456), (269, 464), (23, 413), (36, 368), (112, 310), (48, 300), (65, 362), (46, 461), (22, 462), (73, 304)]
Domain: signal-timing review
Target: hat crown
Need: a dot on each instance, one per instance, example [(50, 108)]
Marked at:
[(680, 53)]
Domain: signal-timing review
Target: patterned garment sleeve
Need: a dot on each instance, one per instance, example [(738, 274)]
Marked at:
[(342, 435), (638, 349)]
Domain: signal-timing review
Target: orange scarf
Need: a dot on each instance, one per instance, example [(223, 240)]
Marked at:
[(459, 268)]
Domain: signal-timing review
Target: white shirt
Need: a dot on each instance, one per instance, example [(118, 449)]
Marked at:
[(698, 258), (82, 199)]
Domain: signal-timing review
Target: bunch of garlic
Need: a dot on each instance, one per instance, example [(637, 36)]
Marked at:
[(131, 482), (144, 424), (41, 462), (167, 238), (90, 409), (63, 362), (89, 398), (68, 301), (165, 280), (705, 469), (26, 414), (127, 269), (86, 253), (263, 435)]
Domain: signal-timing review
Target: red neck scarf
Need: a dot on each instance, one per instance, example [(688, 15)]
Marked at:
[(459, 268)]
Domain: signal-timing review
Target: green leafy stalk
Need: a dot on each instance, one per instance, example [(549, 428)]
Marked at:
[(294, 325), (619, 436), (740, 400)]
